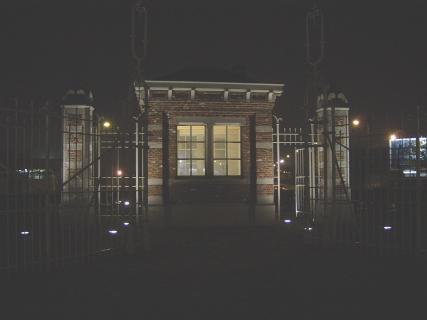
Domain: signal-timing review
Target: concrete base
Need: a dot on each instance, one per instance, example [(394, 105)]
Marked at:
[(211, 214)]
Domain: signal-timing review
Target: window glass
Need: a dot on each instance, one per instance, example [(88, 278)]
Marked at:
[(226, 150), (219, 133), (198, 168), (191, 150), (220, 167), (198, 150), (183, 133), (198, 133), (184, 150), (233, 150), (219, 150), (233, 167), (233, 133), (184, 167)]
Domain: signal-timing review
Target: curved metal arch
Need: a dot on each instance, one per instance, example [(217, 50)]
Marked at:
[(313, 16)]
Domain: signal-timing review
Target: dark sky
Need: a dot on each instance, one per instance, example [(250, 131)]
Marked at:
[(376, 51)]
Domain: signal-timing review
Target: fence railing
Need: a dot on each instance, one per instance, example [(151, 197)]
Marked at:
[(46, 220), (387, 211)]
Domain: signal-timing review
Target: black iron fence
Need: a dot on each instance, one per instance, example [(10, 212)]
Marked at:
[(56, 206), (388, 207)]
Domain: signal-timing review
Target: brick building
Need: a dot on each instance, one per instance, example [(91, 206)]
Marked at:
[(210, 158)]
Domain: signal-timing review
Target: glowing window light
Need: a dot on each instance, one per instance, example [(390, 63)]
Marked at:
[(113, 232)]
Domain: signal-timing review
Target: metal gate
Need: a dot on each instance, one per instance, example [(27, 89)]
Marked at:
[(71, 185), (380, 209)]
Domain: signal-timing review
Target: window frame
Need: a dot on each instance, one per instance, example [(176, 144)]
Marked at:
[(209, 124), (226, 142), (191, 158)]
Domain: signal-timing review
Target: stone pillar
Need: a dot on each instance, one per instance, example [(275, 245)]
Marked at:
[(336, 107), (265, 211), (335, 206), (77, 148)]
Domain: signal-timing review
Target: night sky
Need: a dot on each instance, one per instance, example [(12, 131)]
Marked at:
[(376, 51)]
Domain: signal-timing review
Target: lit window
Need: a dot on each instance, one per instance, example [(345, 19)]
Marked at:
[(226, 150), (191, 150)]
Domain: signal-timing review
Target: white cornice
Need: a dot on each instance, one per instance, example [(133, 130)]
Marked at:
[(214, 86)]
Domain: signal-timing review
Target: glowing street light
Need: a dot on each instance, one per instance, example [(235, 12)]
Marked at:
[(106, 124), (282, 161), (356, 122), (393, 137), (119, 173)]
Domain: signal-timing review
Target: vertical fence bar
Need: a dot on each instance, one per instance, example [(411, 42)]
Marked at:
[(137, 172)]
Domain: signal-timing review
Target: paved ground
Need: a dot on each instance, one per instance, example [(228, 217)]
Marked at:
[(225, 274)]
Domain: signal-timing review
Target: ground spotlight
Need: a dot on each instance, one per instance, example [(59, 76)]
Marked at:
[(125, 224), (287, 221), (112, 232)]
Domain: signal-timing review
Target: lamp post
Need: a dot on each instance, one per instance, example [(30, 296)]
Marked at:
[(278, 119), (102, 124), (119, 174)]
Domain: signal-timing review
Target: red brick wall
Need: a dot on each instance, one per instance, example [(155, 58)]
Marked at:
[(208, 189)]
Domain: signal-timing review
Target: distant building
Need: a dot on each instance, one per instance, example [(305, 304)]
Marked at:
[(403, 156)]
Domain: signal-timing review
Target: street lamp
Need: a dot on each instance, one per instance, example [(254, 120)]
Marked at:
[(101, 125), (119, 173), (355, 122), (393, 137), (278, 119)]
